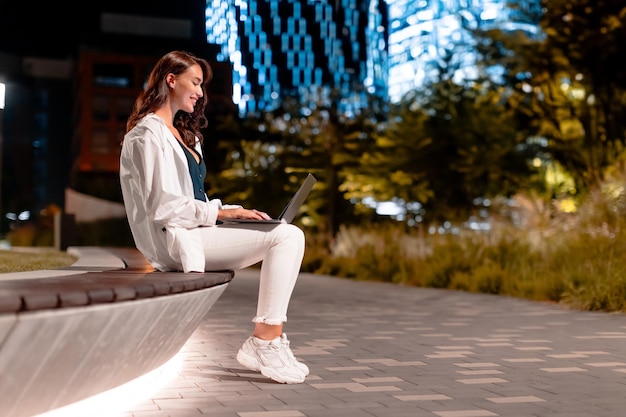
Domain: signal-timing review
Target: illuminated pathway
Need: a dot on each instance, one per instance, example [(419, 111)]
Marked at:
[(385, 350)]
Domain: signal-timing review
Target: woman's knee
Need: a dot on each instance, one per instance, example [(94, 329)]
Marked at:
[(292, 233)]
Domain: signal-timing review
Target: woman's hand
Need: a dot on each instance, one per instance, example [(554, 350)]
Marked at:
[(242, 213)]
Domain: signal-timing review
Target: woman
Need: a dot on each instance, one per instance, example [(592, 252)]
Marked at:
[(174, 224)]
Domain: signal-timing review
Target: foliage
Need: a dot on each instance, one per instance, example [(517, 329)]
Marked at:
[(274, 151), (29, 235), (578, 259), (436, 159), (106, 232), (375, 252), (460, 146), (396, 153), (544, 112), (567, 85), (36, 231)]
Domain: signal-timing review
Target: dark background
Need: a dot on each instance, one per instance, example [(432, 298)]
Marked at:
[(41, 43), (55, 29)]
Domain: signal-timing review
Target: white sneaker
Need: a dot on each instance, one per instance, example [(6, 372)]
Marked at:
[(302, 367), (271, 358)]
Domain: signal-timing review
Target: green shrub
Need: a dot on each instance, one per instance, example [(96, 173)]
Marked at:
[(438, 270), (595, 273), (578, 260), (487, 277)]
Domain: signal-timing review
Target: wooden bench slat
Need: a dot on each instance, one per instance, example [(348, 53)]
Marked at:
[(73, 299), (124, 293), (101, 295), (40, 301), (10, 302), (138, 281)]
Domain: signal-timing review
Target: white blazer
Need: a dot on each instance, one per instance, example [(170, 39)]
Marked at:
[(163, 215)]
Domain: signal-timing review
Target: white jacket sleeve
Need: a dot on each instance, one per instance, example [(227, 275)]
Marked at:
[(162, 180)]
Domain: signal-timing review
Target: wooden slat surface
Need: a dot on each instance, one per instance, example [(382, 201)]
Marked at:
[(138, 280)]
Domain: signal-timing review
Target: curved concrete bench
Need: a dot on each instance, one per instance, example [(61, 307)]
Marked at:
[(72, 333)]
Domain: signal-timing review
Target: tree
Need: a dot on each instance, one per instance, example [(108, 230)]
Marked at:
[(270, 155), (248, 169), (459, 145), (327, 140), (568, 85)]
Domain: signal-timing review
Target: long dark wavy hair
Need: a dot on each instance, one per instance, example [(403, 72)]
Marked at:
[(157, 91)]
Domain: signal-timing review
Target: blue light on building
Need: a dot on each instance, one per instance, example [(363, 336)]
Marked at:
[(425, 33), (291, 47), (281, 48)]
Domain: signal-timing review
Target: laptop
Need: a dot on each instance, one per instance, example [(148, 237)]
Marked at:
[(291, 209)]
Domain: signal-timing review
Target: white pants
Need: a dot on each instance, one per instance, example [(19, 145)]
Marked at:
[(280, 247)]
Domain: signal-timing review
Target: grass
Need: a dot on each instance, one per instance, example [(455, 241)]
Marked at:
[(31, 259)]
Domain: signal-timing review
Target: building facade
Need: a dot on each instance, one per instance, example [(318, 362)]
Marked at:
[(356, 47), (295, 47), (427, 35)]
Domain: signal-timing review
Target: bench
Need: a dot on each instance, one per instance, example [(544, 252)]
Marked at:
[(82, 330), (95, 287)]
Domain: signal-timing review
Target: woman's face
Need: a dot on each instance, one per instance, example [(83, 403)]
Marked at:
[(186, 88)]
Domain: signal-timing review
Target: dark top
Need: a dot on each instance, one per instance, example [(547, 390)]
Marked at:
[(197, 170)]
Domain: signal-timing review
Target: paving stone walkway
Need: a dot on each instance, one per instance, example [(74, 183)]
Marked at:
[(384, 350)]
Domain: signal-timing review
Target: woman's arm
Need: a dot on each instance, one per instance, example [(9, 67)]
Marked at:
[(157, 179)]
